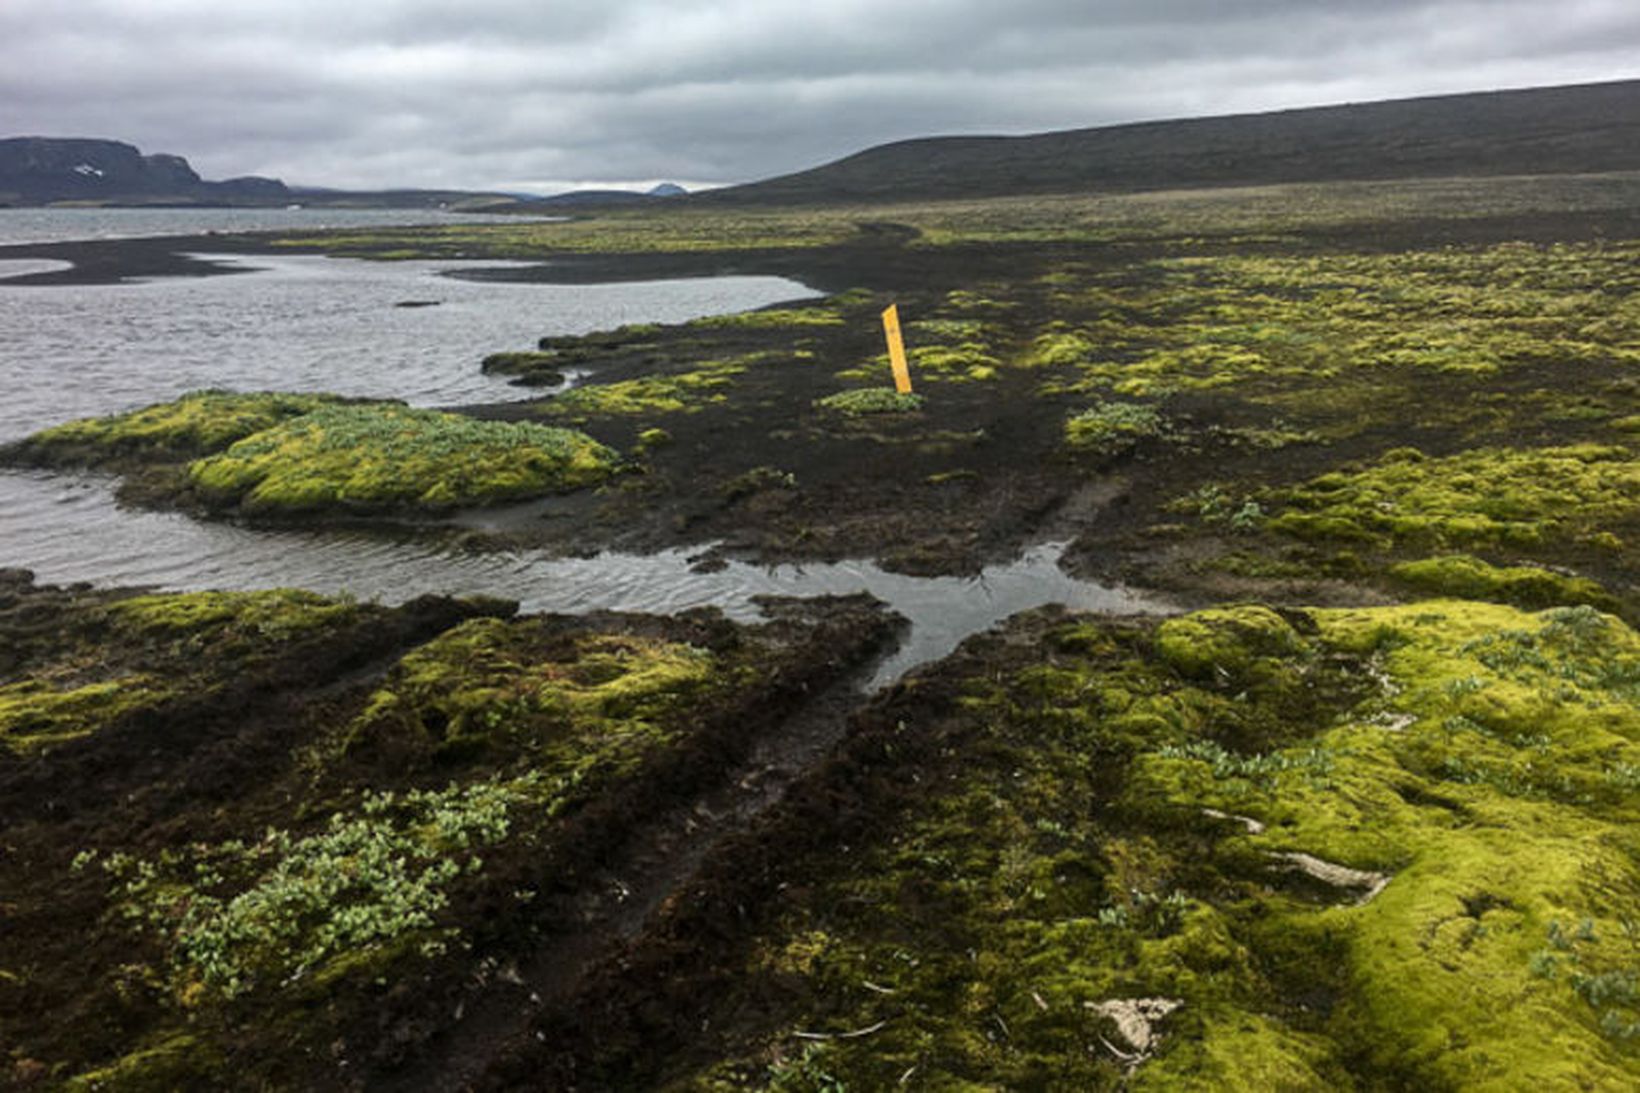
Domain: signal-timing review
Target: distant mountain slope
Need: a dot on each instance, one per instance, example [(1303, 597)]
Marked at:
[(612, 197), (37, 170), (1590, 127)]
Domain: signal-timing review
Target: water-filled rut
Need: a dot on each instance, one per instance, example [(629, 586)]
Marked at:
[(68, 528)]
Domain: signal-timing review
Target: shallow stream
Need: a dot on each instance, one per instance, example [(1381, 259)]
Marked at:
[(68, 528)]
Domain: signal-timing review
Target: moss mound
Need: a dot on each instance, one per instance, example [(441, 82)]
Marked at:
[(1470, 578), (579, 706), (382, 456), (532, 368), (273, 614), (198, 423)]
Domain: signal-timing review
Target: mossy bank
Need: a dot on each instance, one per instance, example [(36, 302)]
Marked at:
[(276, 838), (273, 455), (1242, 849)]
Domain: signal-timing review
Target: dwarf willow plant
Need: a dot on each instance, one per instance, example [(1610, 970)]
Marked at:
[(870, 400), (236, 915), (1111, 428)]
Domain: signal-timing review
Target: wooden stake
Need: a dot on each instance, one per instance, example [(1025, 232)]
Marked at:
[(896, 349)]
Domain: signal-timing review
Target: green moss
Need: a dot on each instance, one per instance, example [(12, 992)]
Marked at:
[(1525, 586), (658, 394), (755, 481), (1488, 495), (1225, 639), (386, 456), (35, 715), (534, 368), (1058, 348), (865, 401), (1267, 322), (597, 704), (1060, 853), (968, 361), (276, 614), (520, 361), (196, 424), (949, 330), (1506, 720), (653, 438), (773, 318), (175, 1061), (967, 300), (1245, 1053)]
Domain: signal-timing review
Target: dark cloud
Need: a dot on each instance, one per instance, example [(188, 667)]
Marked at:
[(520, 94)]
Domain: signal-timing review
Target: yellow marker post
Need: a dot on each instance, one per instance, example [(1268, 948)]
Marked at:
[(896, 349)]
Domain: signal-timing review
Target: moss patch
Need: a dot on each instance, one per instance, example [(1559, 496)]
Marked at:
[(275, 615), (577, 706), (35, 715), (534, 368), (647, 395), (1113, 814), (1492, 495), (772, 318), (1231, 321)]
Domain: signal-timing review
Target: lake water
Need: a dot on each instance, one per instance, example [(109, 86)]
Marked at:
[(310, 323), (314, 323), (65, 225)]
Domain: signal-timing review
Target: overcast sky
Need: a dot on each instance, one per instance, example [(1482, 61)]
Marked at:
[(546, 95)]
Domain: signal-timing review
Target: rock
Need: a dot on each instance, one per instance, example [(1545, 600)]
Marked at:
[(1136, 1020)]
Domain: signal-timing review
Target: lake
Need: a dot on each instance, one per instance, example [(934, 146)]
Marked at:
[(71, 225), (315, 323)]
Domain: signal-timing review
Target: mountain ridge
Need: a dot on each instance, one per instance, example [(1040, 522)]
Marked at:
[(1575, 128), (40, 170)]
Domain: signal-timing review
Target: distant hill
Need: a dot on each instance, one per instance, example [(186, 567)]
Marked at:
[(41, 170), (1558, 130), (611, 197)]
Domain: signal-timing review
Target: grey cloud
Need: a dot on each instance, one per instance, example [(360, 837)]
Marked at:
[(517, 93)]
